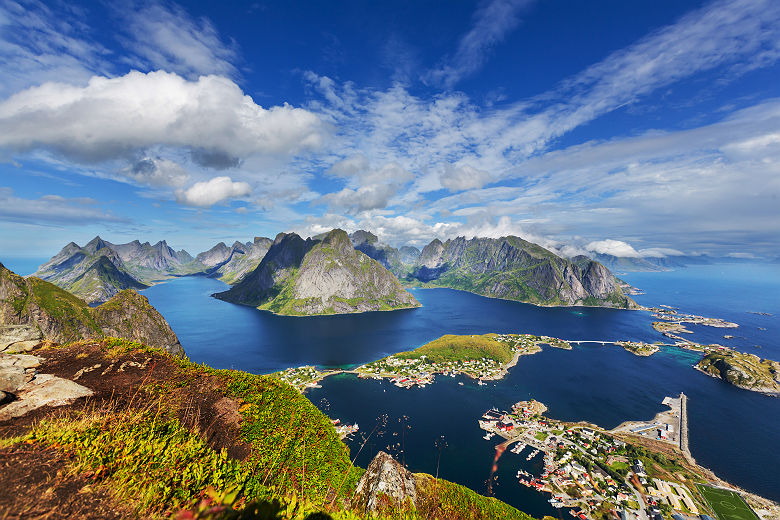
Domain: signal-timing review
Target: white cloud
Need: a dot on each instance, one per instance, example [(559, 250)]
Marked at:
[(364, 198), (42, 42), (492, 22), (612, 247), (157, 171), (465, 177), (52, 209), (206, 194), (659, 252), (112, 117), (164, 36)]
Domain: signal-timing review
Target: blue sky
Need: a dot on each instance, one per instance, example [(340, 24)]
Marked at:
[(641, 128)]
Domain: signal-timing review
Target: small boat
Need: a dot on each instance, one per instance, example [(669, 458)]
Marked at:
[(459, 382)]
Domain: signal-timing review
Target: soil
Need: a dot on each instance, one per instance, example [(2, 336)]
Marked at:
[(36, 483)]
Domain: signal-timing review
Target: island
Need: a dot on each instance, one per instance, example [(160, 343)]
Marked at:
[(743, 370)]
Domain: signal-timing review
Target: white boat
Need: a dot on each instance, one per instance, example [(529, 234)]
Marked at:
[(488, 436)]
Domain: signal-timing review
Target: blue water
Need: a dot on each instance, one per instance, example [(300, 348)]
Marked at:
[(22, 265), (732, 431)]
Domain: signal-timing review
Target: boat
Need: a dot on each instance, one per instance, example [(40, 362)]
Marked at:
[(488, 436), (459, 382)]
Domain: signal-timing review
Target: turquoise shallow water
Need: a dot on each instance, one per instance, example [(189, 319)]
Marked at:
[(732, 431)]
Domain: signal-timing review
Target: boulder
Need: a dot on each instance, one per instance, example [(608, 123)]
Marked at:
[(19, 337), (43, 390)]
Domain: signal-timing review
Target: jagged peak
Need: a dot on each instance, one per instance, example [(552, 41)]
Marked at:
[(337, 237)]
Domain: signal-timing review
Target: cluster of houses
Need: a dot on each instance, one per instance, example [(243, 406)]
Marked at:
[(408, 372)]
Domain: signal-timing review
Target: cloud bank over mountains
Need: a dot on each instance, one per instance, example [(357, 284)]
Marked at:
[(171, 117)]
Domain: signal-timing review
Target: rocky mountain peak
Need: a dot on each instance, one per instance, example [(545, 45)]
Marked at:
[(362, 236), (384, 478)]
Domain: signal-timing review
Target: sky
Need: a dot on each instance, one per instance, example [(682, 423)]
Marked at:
[(642, 128)]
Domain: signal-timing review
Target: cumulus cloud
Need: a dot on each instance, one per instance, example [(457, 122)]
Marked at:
[(158, 172), (492, 22), (612, 247), (361, 199), (112, 117), (52, 209), (206, 194)]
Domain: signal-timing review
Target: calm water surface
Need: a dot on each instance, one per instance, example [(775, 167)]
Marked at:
[(732, 431)]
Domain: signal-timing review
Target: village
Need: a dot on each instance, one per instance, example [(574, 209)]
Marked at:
[(592, 472)]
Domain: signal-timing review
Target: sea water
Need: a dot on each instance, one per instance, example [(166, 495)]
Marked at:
[(732, 431)]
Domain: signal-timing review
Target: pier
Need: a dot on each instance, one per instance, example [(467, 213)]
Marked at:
[(684, 429)]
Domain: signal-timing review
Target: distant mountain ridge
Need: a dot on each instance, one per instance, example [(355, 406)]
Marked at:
[(231, 264), (100, 269), (318, 276), (515, 269), (398, 261)]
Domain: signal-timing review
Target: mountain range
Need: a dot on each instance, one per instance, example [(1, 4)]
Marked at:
[(279, 275)]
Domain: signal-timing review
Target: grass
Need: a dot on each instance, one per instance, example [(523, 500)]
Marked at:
[(149, 452), (451, 348), (726, 504)]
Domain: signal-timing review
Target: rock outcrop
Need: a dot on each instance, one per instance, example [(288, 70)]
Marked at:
[(514, 269), (32, 310), (27, 390), (386, 485), (319, 276)]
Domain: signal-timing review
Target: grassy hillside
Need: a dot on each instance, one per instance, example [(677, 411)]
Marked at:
[(174, 436), (451, 348)]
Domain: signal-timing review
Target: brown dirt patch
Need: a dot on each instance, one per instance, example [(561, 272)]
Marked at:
[(140, 379), (35, 483)]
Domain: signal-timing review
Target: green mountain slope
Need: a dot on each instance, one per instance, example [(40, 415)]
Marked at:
[(62, 317), (100, 269), (515, 269), (319, 276)]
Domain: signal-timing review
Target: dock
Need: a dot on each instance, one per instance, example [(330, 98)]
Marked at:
[(684, 429)]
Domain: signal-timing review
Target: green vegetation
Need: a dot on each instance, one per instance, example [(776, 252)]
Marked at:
[(743, 370), (451, 348), (726, 504), (451, 501), (147, 448)]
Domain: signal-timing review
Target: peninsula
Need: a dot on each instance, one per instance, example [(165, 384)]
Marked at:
[(639, 469)]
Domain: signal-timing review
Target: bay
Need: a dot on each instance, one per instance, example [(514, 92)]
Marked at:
[(731, 430)]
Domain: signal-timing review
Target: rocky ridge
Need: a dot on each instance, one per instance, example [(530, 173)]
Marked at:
[(319, 276), (231, 264), (515, 269), (100, 269), (397, 261), (33, 310)]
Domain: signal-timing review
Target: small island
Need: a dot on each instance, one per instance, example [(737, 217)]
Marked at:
[(746, 371)]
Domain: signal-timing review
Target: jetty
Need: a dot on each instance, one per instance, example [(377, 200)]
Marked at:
[(684, 429)]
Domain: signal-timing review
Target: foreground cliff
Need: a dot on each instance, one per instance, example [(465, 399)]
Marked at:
[(515, 269), (137, 432), (319, 276), (32, 310), (746, 371)]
